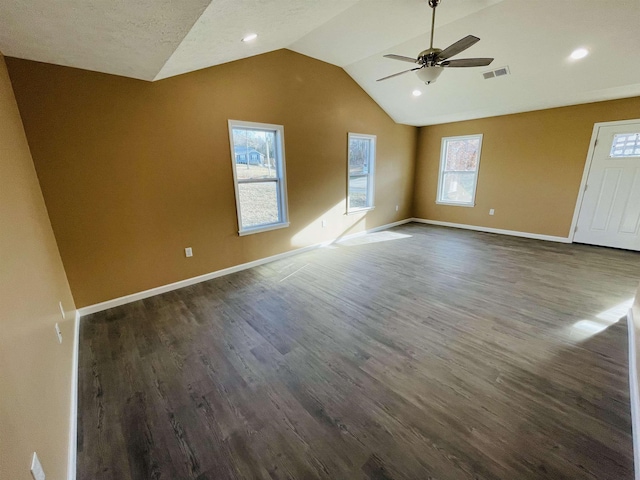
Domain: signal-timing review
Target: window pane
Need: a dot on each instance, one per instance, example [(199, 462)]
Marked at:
[(258, 203), (458, 187), (462, 155), (255, 155), (625, 145), (359, 156), (358, 189)]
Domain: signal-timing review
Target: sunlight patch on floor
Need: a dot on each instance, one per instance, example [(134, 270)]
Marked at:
[(587, 328), (372, 238)]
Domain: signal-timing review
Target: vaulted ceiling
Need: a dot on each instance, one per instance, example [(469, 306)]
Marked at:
[(156, 39)]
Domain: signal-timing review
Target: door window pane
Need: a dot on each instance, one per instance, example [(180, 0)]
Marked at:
[(625, 145)]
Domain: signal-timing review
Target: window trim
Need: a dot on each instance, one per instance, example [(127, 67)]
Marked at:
[(371, 187), (441, 171), (281, 180)]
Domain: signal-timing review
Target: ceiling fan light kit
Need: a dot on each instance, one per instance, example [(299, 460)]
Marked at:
[(432, 60), (429, 74)]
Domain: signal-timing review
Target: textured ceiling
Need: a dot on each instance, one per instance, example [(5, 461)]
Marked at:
[(215, 39), (129, 38), (152, 40)]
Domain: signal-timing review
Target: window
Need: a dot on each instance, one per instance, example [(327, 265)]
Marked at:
[(257, 155), (625, 145), (362, 156), (459, 162)]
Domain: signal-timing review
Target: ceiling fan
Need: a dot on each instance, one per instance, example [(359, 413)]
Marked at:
[(433, 60)]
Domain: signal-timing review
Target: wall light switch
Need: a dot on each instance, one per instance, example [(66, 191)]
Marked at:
[(397, 208), (36, 469), (492, 211), (324, 223), (188, 252), (59, 333), (62, 310)]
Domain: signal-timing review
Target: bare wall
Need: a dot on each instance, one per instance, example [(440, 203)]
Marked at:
[(530, 170), (35, 370), (133, 172)]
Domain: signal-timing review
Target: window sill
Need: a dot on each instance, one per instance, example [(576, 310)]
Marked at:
[(265, 228), (469, 205), (354, 211)]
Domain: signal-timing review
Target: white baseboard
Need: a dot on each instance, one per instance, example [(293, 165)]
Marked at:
[(634, 394), (513, 233), (116, 302), (73, 419)]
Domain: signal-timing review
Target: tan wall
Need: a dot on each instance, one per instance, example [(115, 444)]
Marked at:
[(133, 172), (35, 371), (530, 170)]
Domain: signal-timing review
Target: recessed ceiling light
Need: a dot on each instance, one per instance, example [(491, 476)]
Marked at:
[(579, 53), (417, 93), (250, 37)]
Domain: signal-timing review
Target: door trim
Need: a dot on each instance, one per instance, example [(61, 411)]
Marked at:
[(587, 167)]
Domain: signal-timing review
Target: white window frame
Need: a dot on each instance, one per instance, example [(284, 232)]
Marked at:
[(281, 180), (443, 155), (371, 175)]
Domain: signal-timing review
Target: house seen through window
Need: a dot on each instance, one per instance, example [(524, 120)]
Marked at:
[(257, 152), (459, 164)]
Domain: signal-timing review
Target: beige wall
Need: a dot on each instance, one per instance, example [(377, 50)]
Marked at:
[(530, 170), (35, 371), (134, 172)]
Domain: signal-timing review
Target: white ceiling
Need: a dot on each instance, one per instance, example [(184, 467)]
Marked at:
[(156, 39)]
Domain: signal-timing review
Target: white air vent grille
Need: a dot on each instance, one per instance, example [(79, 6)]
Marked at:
[(498, 72)]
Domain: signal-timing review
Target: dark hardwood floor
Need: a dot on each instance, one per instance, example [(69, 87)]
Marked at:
[(416, 353)]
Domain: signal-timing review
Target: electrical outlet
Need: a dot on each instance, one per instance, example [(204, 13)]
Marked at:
[(59, 333), (397, 208), (188, 252), (492, 211), (36, 469), (62, 310), (324, 223)]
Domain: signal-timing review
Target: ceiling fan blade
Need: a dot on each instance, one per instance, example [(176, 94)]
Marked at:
[(397, 74), (458, 47), (401, 58), (467, 62)]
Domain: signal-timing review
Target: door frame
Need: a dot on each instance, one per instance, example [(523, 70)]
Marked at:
[(587, 168)]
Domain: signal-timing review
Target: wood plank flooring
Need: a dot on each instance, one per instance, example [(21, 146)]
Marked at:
[(416, 353)]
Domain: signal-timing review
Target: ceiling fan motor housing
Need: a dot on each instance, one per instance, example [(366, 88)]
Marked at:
[(429, 56)]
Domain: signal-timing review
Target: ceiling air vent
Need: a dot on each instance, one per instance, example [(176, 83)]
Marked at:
[(498, 72)]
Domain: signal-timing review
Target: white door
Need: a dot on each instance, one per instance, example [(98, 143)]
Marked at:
[(610, 211)]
